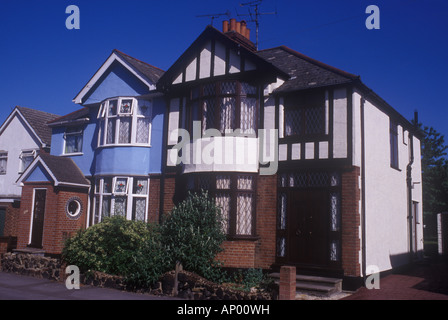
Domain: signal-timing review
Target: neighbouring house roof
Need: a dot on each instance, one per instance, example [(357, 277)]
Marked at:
[(145, 72), (62, 170), (36, 121), (304, 72)]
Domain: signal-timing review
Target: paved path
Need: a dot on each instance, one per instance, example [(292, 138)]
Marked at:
[(424, 281), (18, 287)]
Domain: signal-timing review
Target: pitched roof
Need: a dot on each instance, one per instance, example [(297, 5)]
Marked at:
[(63, 170), (36, 120), (149, 71), (146, 73), (304, 71)]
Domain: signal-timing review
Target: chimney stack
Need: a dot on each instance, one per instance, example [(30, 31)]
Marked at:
[(239, 27)]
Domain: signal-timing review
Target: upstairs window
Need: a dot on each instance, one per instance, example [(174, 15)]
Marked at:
[(224, 105), (26, 157), (304, 115), (3, 162), (393, 132), (73, 140), (124, 121)]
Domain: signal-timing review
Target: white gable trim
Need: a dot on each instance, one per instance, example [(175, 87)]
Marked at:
[(112, 58), (33, 165), (16, 112)]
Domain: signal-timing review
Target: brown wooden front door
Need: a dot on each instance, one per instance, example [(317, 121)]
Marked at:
[(308, 227), (38, 218)]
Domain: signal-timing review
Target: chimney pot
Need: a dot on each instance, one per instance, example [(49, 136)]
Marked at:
[(232, 24), (243, 28), (238, 27), (248, 33), (225, 26)]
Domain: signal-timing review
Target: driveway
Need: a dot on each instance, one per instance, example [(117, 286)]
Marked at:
[(18, 287), (426, 280)]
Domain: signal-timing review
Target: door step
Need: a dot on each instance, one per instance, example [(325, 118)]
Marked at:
[(314, 285)]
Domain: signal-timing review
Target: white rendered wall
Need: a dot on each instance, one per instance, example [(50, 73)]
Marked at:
[(14, 139), (387, 233)]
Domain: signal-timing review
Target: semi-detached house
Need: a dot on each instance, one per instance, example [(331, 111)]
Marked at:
[(310, 167)]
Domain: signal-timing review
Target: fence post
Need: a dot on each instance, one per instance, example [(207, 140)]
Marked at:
[(287, 289)]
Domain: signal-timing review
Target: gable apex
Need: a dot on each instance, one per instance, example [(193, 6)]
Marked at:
[(215, 54), (144, 72)]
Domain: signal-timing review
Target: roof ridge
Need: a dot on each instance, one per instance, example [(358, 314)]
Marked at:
[(317, 62)]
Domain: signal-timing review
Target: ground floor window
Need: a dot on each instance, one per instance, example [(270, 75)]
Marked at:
[(121, 196), (235, 195)]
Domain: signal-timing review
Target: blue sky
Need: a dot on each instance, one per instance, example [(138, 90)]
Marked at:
[(43, 65)]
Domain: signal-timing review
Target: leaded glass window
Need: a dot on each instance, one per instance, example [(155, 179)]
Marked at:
[(124, 121)]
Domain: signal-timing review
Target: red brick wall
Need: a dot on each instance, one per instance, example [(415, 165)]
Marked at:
[(351, 220), (11, 219), (57, 225), (154, 199)]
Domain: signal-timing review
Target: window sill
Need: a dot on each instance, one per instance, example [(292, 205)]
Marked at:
[(396, 168), (124, 145), (242, 238), (72, 154)]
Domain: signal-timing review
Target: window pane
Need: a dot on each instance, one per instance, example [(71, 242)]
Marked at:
[(107, 185), (126, 106), (223, 202), (143, 130), (112, 110), (228, 87), (223, 182), (139, 209), (335, 212), (282, 212), (121, 185), (315, 121), (110, 131), (245, 183), (248, 121), (105, 210), (208, 110), (227, 110), (120, 206), (244, 214), (293, 119), (125, 130), (247, 88), (140, 186)]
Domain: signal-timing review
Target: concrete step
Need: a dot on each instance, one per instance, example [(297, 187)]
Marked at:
[(314, 285)]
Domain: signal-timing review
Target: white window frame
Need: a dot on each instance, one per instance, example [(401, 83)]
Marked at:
[(80, 133), (133, 114), (128, 194), (4, 158), (23, 155)]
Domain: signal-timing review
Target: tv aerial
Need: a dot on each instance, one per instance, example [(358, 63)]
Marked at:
[(213, 16), (255, 15)]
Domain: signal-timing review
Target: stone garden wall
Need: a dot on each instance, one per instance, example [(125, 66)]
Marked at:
[(190, 285)]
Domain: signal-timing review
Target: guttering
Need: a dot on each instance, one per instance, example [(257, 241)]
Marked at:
[(363, 194)]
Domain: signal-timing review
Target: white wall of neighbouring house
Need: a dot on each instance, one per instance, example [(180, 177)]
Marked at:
[(14, 138), (386, 196)]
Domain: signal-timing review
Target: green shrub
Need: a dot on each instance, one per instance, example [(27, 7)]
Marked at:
[(193, 233), (119, 247)]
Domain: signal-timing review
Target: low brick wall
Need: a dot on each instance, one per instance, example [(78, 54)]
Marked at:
[(190, 285)]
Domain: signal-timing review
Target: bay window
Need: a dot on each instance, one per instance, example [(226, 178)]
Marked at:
[(121, 196), (124, 121), (234, 194), (224, 105)]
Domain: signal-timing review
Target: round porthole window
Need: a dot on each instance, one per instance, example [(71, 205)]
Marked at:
[(73, 208)]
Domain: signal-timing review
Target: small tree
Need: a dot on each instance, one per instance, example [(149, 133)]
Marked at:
[(193, 233)]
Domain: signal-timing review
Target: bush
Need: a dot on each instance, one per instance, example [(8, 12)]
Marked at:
[(119, 247), (193, 233)]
